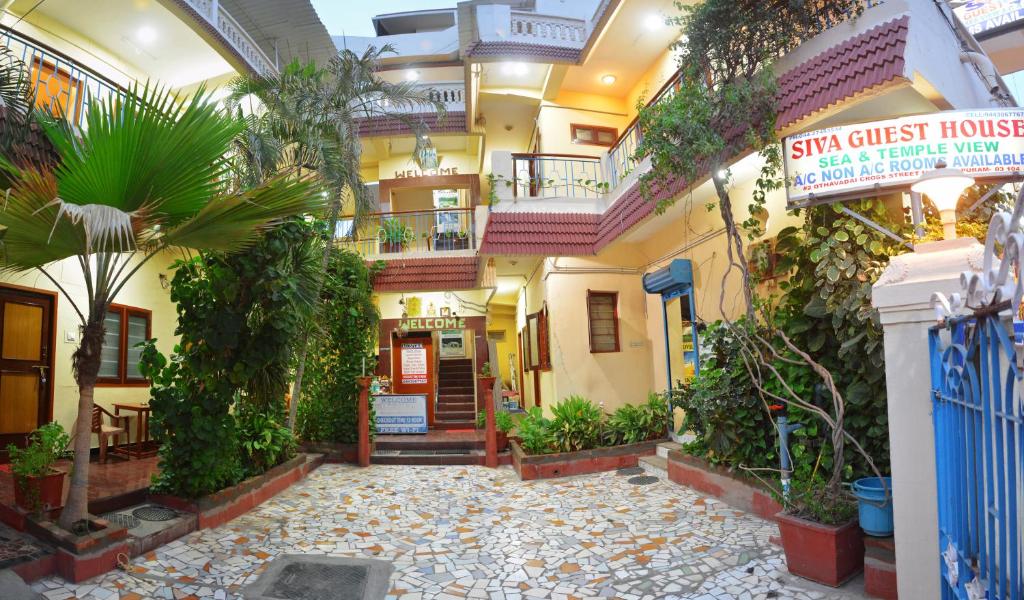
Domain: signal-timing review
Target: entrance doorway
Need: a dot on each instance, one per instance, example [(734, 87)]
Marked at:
[(26, 363)]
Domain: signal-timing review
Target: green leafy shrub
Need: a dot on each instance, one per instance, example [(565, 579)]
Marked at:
[(191, 420), (395, 232), (343, 342), (812, 500), (577, 424), (534, 431), (723, 408), (631, 424), (45, 446), (264, 442), (502, 421)]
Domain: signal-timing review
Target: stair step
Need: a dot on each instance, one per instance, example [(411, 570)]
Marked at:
[(665, 447), (470, 457), (655, 465), (454, 424), (456, 416), (456, 406), (455, 398)]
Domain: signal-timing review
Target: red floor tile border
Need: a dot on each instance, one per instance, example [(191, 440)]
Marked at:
[(699, 475), (548, 466)]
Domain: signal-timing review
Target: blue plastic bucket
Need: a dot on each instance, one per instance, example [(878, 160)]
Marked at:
[(874, 508)]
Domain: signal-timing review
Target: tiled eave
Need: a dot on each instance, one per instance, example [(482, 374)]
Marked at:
[(524, 51), (428, 274), (453, 122), (858, 66)]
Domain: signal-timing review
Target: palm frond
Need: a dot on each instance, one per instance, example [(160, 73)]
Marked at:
[(236, 220), (35, 236)]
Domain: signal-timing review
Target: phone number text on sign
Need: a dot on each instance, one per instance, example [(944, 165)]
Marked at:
[(888, 155)]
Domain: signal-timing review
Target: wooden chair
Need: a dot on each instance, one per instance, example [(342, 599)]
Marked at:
[(118, 427)]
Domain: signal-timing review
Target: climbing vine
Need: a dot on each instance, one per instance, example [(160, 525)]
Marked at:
[(342, 349)]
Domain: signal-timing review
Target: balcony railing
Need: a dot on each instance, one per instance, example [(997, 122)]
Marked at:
[(452, 94), (61, 85), (228, 28), (557, 176), (391, 234), (549, 30)]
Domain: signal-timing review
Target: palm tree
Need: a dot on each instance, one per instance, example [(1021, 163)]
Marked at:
[(308, 125), (148, 172)]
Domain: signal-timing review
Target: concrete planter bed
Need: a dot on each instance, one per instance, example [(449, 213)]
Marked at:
[(79, 557), (333, 452), (220, 507), (715, 481), (547, 466)]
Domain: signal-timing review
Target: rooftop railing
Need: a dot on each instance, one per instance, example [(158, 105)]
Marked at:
[(391, 234), (549, 30), (62, 85), (228, 28)]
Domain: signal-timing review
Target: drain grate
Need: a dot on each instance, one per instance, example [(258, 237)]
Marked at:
[(643, 480), (123, 520), (302, 577), (439, 452), (630, 471), (154, 513)]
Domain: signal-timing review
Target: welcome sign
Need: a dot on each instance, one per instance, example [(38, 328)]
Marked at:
[(849, 160)]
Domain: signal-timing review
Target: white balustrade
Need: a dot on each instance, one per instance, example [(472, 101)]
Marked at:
[(233, 33), (547, 29)]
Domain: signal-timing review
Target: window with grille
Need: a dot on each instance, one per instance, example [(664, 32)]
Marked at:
[(593, 135), (603, 321), (119, 359)]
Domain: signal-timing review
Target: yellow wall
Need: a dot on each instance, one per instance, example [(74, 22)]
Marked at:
[(555, 118), (503, 318), (653, 78), (143, 290), (461, 161)]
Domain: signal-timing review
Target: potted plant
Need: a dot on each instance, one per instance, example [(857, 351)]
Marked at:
[(452, 240), (502, 422), (394, 235), (38, 487), (820, 535)]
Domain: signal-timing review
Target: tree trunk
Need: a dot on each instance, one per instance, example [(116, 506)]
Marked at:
[(300, 369), (735, 242), (86, 366)]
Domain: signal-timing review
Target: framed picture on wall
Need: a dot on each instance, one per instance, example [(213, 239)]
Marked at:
[(453, 343)]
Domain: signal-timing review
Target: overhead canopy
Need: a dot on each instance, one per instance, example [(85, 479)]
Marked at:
[(674, 280)]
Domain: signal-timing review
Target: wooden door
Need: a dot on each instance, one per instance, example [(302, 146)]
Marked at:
[(412, 367), (26, 363)]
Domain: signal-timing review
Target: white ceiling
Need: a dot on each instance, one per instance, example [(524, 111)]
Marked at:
[(626, 49), (514, 75), (143, 34)]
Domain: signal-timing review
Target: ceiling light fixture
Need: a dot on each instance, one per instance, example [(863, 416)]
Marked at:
[(146, 35), (514, 68), (608, 79), (412, 75), (654, 22)]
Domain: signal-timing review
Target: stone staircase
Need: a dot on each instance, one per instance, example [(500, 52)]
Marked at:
[(657, 465), (456, 401)]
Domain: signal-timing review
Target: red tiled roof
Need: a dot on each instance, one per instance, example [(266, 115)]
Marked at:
[(427, 274), (454, 122), (870, 59), (541, 52), (548, 234), (859, 64)]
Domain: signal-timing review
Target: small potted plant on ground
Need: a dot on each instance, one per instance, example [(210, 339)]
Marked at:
[(502, 422), (38, 487), (394, 235)]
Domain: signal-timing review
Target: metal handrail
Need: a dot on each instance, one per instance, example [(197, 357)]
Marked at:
[(62, 85), (419, 231), (557, 173)]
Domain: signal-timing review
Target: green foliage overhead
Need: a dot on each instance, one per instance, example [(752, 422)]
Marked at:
[(344, 341)]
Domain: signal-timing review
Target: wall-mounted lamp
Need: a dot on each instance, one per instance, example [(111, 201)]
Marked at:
[(944, 186)]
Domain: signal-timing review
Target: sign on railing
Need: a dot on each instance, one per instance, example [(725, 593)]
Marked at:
[(886, 155)]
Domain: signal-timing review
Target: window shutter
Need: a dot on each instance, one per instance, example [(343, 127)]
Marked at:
[(602, 313)]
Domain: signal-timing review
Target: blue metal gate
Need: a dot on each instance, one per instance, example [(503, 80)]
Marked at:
[(977, 370)]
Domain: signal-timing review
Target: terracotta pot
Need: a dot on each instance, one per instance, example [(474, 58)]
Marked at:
[(502, 441), (43, 493), (823, 553), (391, 247)]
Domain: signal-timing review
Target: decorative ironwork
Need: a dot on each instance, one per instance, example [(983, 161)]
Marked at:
[(977, 372)]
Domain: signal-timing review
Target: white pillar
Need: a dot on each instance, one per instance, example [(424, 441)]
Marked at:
[(902, 296)]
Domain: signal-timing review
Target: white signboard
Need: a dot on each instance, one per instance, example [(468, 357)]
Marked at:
[(400, 414), (849, 160), (414, 363), (982, 16)]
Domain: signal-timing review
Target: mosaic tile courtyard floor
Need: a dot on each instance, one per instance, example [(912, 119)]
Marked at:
[(472, 532)]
